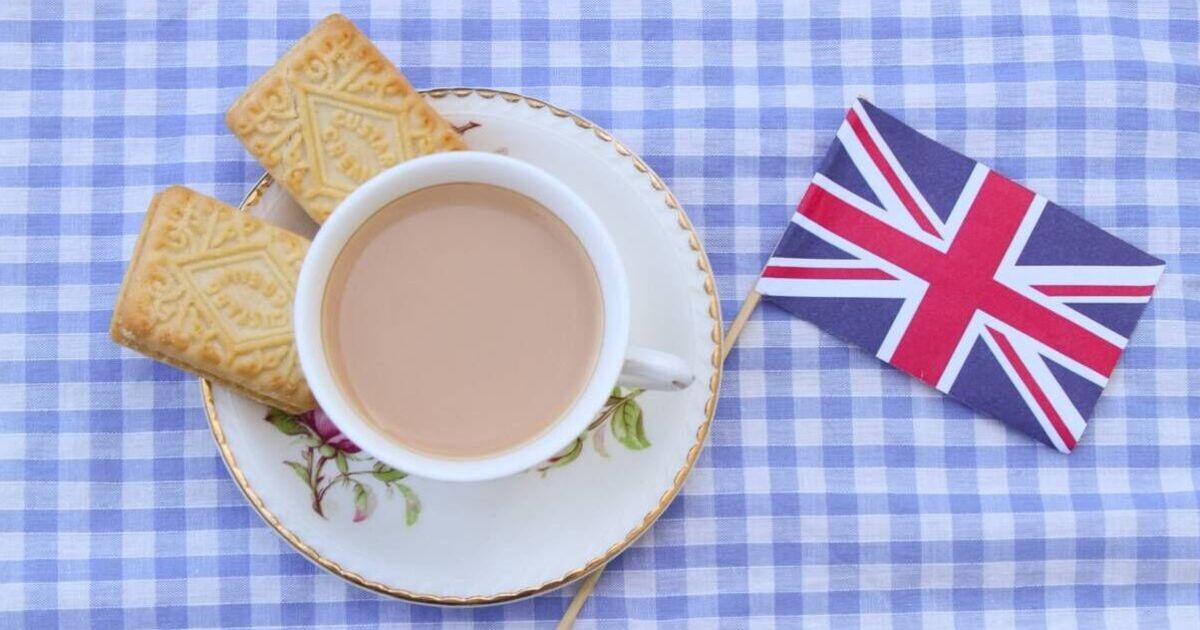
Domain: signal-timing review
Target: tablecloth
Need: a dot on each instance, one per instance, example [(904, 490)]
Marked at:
[(834, 491)]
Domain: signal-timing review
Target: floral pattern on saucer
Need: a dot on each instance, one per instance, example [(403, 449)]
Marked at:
[(624, 418), (323, 444)]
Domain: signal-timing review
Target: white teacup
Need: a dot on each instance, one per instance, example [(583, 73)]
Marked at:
[(617, 362)]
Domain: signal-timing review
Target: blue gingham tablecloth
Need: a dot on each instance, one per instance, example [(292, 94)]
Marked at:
[(834, 491)]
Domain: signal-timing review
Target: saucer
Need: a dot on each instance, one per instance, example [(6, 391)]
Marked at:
[(489, 542)]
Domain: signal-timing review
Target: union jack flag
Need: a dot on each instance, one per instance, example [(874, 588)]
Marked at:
[(961, 277)]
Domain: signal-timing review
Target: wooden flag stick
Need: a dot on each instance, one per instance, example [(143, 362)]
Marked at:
[(739, 322), (731, 337), (585, 589)]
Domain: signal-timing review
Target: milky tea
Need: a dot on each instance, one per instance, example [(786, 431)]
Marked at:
[(463, 319)]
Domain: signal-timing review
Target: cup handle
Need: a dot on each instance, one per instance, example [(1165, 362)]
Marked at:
[(653, 369)]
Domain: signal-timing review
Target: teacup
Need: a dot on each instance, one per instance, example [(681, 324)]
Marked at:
[(616, 362)]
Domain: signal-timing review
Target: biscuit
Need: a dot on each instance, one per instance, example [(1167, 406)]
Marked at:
[(332, 113), (210, 291)]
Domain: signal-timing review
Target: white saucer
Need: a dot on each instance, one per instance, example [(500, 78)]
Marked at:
[(490, 542)]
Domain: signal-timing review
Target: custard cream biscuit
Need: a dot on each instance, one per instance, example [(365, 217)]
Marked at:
[(210, 291), (332, 113)]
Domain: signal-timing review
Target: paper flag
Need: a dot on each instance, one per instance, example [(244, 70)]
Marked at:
[(961, 277)]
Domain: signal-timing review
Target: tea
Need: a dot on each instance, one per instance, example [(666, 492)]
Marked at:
[(463, 319)]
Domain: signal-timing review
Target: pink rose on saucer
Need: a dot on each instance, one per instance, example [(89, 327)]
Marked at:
[(327, 431)]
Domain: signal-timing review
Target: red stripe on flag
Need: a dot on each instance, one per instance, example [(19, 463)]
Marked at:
[(890, 175), (1039, 396), (1088, 290), (826, 273)]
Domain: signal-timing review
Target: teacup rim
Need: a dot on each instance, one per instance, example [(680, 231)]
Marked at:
[(433, 170)]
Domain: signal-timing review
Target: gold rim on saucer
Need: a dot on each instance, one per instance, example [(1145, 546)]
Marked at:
[(714, 311)]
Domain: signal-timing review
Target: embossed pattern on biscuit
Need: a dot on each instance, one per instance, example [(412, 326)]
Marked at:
[(332, 113), (210, 290)]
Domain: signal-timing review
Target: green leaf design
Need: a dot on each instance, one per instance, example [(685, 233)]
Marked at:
[(342, 466), (617, 424), (628, 428), (327, 451), (642, 440), (301, 471), (412, 505), (563, 457), (360, 502), (388, 475), (286, 423), (569, 454)]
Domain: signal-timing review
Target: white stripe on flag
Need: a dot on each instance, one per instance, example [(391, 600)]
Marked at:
[(823, 263), (797, 287), (967, 342), (965, 200), (901, 174), (900, 326), (1026, 395), (1099, 275)]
